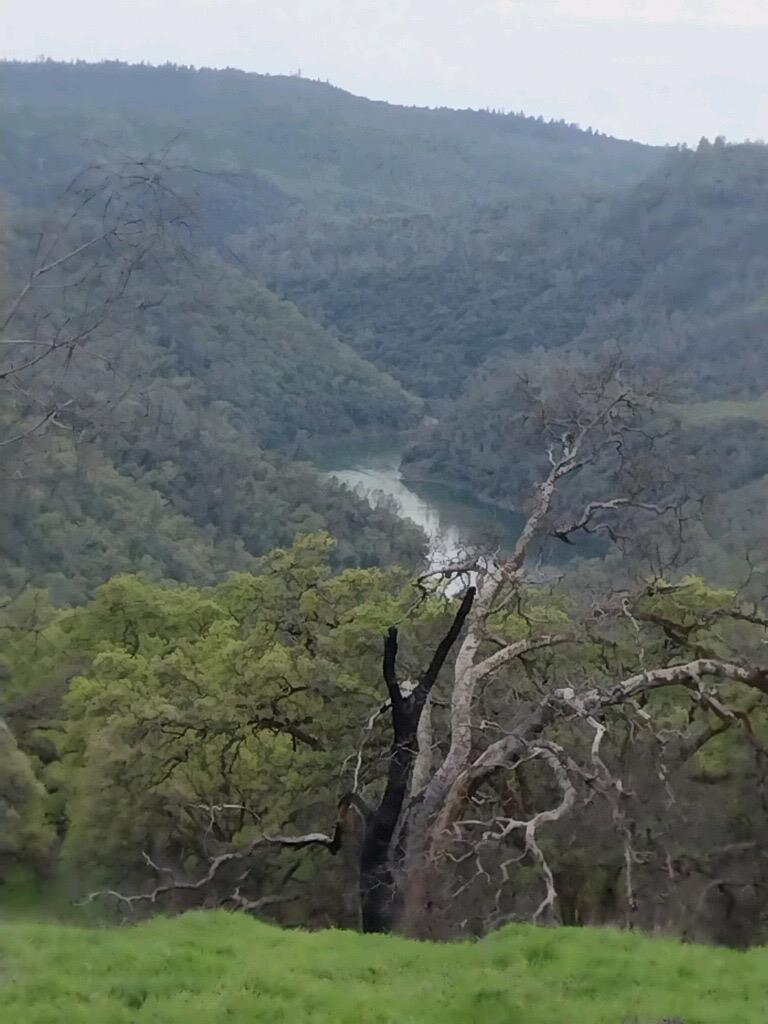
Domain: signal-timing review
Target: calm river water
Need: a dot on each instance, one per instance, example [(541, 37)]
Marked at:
[(451, 517)]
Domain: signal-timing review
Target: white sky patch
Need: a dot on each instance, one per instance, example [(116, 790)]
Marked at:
[(742, 13), (656, 70)]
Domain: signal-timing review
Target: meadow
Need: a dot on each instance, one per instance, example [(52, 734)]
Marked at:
[(206, 967)]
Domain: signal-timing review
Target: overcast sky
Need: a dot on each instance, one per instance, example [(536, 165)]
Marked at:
[(656, 70)]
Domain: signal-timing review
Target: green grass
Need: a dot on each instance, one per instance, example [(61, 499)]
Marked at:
[(203, 968)]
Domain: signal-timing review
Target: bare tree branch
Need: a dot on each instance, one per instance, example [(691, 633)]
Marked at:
[(331, 843), (586, 521)]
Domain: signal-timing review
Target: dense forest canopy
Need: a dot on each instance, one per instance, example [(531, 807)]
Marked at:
[(315, 142), (218, 666), (671, 269)]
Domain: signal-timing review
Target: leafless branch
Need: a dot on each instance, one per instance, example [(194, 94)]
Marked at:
[(329, 842)]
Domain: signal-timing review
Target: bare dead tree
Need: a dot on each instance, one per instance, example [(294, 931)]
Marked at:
[(432, 820), (406, 708), (602, 424), (470, 760)]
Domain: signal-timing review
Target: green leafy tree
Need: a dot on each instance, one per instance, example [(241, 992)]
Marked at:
[(25, 834), (206, 716)]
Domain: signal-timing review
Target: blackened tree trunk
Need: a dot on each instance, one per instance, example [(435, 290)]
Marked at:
[(377, 884)]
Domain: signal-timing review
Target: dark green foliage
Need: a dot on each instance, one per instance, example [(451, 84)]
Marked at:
[(493, 440), (153, 702), (25, 836), (158, 460), (185, 721), (670, 275), (183, 502), (444, 246), (487, 265), (306, 141), (349, 204), (276, 376), (670, 269)]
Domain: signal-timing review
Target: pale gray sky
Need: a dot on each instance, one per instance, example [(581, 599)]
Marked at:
[(657, 70)]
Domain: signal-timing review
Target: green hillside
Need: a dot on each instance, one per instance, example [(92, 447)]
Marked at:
[(205, 968), (294, 140), (280, 376), (670, 273), (671, 268), (193, 378)]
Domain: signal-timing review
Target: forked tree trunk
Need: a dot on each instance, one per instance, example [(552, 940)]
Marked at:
[(378, 886)]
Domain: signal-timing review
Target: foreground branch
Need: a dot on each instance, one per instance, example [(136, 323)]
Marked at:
[(331, 843), (590, 704)]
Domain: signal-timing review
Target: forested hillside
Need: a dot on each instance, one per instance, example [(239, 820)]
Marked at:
[(296, 142), (671, 269), (199, 365), (228, 681), (670, 274), (195, 371)]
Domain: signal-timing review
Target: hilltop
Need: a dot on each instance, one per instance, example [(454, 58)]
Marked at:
[(306, 142)]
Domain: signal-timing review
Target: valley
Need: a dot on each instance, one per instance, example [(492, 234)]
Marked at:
[(453, 519), (274, 358)]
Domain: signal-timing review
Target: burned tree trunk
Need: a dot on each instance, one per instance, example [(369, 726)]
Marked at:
[(377, 886)]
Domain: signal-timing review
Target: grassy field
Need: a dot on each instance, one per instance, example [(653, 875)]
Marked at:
[(204, 968)]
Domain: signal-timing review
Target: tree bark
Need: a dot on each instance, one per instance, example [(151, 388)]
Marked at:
[(377, 882)]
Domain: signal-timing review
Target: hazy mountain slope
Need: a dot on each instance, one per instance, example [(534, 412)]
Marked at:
[(287, 174), (674, 266), (278, 375), (156, 459), (183, 497), (314, 141), (672, 273), (441, 246)]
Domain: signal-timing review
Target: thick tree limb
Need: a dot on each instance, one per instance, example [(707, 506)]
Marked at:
[(389, 666), (422, 767), (253, 906), (217, 864), (574, 453), (585, 521), (46, 268), (442, 650), (29, 431), (567, 703), (499, 659), (688, 674)]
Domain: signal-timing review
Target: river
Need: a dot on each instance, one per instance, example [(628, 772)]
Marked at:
[(451, 517)]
